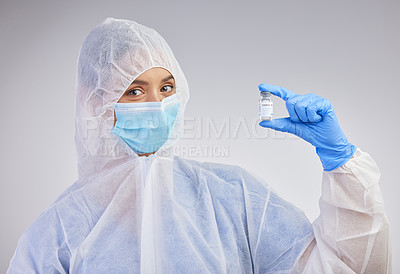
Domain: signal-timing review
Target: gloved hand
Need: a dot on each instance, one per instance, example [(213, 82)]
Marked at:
[(313, 119)]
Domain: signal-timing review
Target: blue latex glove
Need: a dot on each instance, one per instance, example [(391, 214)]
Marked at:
[(313, 119)]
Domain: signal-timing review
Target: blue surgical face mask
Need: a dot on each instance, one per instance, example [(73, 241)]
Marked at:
[(145, 127)]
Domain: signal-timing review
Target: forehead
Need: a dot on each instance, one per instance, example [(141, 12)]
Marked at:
[(155, 74)]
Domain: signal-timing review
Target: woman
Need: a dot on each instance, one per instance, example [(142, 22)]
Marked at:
[(136, 208)]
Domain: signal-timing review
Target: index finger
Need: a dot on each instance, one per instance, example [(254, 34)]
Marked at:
[(284, 93)]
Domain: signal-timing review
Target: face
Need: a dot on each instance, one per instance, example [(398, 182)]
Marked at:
[(153, 85)]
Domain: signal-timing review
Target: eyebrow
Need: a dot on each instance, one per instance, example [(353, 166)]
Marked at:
[(141, 82)]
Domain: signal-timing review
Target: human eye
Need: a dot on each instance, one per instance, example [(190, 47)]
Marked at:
[(134, 92), (167, 88)]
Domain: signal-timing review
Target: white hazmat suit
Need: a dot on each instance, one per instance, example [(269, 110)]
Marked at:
[(166, 214)]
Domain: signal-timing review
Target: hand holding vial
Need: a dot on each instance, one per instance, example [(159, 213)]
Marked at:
[(313, 119)]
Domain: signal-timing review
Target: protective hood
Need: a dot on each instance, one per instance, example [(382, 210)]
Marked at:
[(112, 56)]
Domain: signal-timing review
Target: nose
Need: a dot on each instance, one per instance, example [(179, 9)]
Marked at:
[(153, 96)]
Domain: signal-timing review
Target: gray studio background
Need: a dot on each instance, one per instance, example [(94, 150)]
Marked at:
[(345, 51)]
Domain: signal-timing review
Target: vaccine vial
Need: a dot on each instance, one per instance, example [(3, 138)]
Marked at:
[(265, 106)]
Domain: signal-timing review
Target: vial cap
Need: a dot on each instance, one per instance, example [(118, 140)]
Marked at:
[(265, 93)]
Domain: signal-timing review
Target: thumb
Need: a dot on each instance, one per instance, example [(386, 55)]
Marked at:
[(280, 124)]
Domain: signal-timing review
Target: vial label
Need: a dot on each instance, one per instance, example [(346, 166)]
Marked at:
[(266, 111)]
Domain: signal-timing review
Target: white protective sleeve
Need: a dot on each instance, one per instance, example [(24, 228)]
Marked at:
[(352, 232)]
